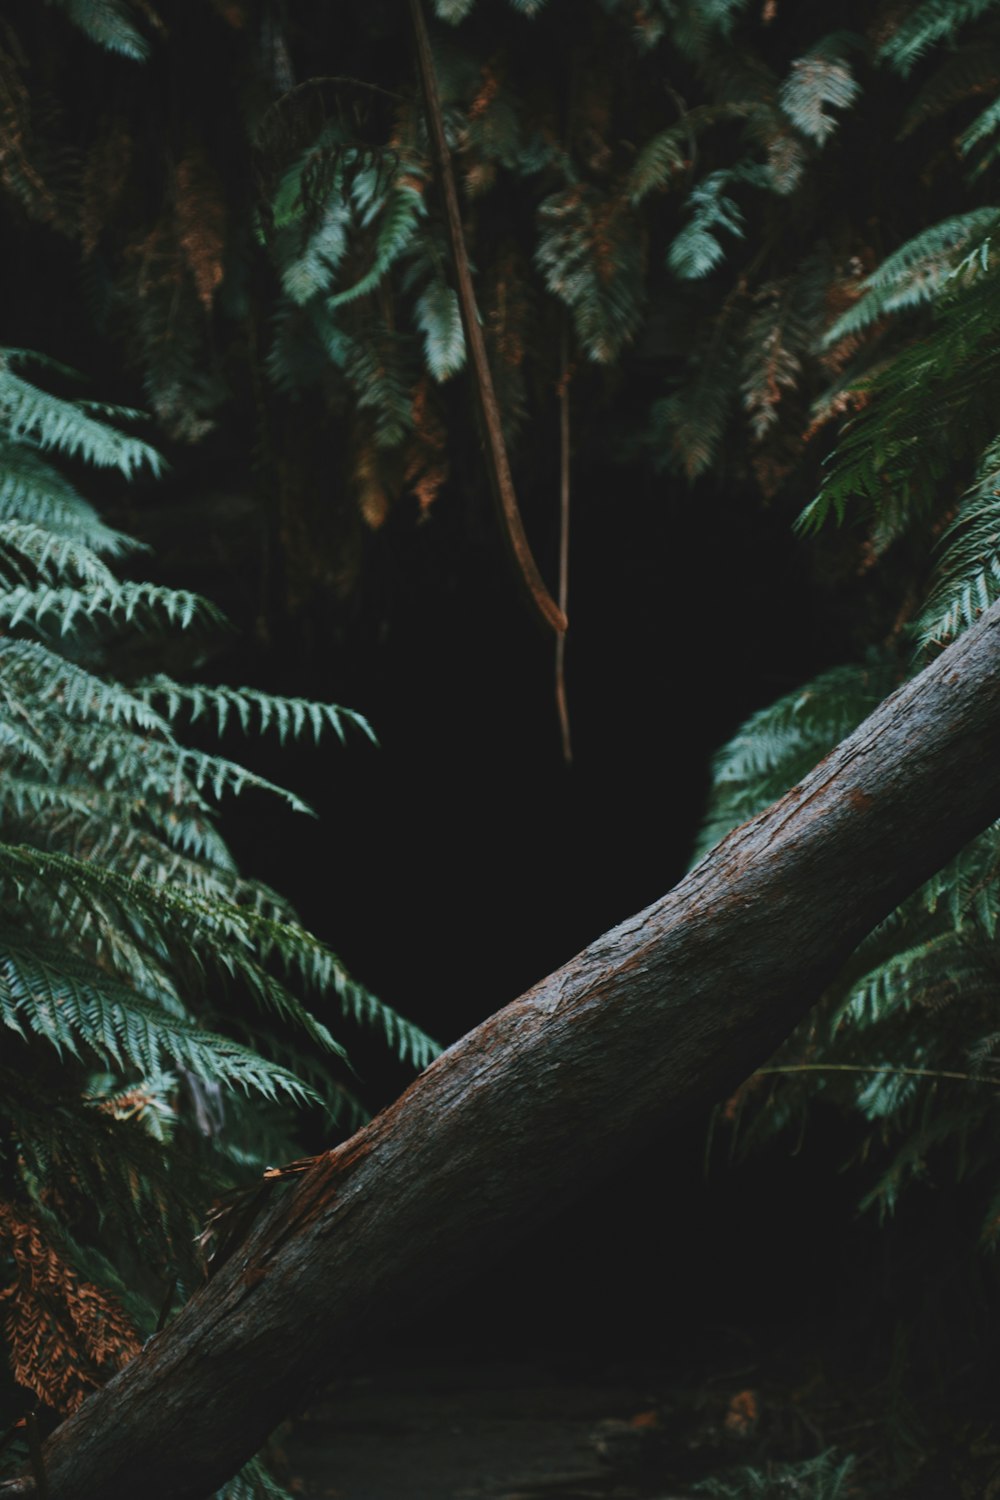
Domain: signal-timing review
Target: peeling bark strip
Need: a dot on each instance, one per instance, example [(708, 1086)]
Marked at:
[(671, 1009)]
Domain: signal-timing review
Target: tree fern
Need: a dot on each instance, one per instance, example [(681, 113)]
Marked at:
[(133, 956)]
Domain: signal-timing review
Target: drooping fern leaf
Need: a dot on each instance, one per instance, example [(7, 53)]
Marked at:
[(135, 960), (931, 22), (917, 272), (109, 23), (967, 579)]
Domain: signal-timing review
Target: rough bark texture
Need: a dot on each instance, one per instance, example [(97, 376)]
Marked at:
[(670, 1009)]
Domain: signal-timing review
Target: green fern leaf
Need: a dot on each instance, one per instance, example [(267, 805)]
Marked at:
[(819, 81), (110, 24), (68, 427), (30, 489), (398, 213), (917, 272), (143, 605), (253, 1482), (967, 576), (255, 711), (591, 256), (440, 321), (696, 250), (453, 11), (931, 22)]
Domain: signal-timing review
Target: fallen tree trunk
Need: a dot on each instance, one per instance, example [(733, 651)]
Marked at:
[(671, 1009)]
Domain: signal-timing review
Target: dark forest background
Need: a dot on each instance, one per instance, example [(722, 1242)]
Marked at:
[(752, 246)]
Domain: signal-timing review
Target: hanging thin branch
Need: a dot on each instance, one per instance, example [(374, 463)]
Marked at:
[(562, 705), (501, 481)]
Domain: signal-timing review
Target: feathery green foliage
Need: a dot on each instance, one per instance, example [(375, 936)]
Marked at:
[(819, 81), (133, 955), (826, 1477), (928, 24)]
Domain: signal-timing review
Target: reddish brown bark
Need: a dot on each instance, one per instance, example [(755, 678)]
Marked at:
[(669, 1010)]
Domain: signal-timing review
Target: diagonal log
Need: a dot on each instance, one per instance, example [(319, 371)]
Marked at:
[(666, 1012)]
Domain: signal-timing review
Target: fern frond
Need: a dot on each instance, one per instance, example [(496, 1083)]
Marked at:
[(931, 22), (165, 769), (69, 427), (778, 337), (980, 138), (221, 935), (256, 712), (49, 680), (64, 1334), (312, 270), (780, 744), (146, 606), (967, 576), (30, 552), (827, 1477), (697, 250), (398, 212), (590, 253), (667, 156), (686, 428), (109, 23), (920, 411), (253, 1482), (45, 992), (969, 71), (663, 159), (440, 322), (917, 272), (380, 367), (32, 490), (453, 11), (819, 81), (88, 1153)]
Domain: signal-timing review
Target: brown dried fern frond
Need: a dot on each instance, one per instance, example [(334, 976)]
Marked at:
[(65, 1336), (105, 175), (427, 466)]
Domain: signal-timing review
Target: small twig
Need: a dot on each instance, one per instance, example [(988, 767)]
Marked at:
[(498, 464), (868, 1068)]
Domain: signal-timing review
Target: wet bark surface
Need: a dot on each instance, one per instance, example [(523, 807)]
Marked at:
[(666, 1012)]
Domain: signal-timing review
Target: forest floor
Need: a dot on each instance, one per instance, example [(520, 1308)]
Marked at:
[(564, 1427)]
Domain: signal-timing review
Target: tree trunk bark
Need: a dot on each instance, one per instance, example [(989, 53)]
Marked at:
[(670, 1010)]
